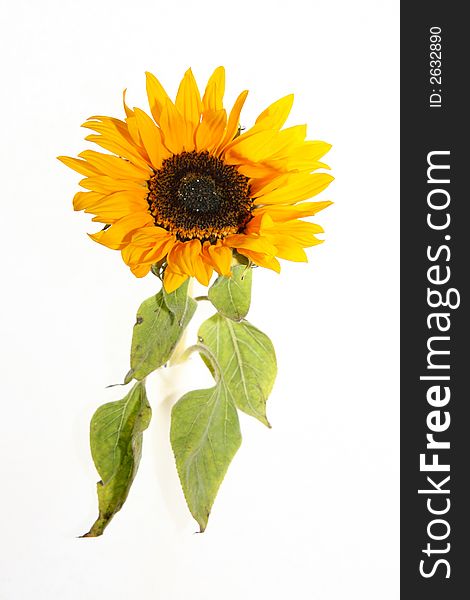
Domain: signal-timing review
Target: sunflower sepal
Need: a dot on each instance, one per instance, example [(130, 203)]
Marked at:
[(157, 269), (116, 430)]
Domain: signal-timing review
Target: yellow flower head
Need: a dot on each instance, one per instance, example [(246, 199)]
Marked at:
[(185, 189)]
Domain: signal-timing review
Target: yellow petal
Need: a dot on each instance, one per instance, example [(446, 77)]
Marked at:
[(297, 233), (260, 187), (173, 279), (185, 258), (131, 121), (132, 255), (233, 120), (78, 165), (83, 200), (134, 132), (118, 235), (188, 99), (306, 156), (219, 256), (249, 242), (306, 241), (114, 166), (215, 89), (271, 119), (140, 270), (111, 208), (297, 227), (177, 259), (189, 105), (299, 187), (281, 212), (283, 233), (154, 251), (113, 146), (151, 138), (210, 130), (258, 171), (285, 164), (116, 131), (127, 110), (291, 252), (112, 127), (173, 128), (158, 252), (252, 149), (202, 270), (108, 185), (277, 145), (262, 260), (157, 96), (287, 140), (276, 114), (183, 254), (150, 236)]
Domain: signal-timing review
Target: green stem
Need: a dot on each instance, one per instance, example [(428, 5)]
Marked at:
[(203, 349)]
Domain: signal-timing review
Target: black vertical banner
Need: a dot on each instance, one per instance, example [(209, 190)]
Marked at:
[(435, 332)]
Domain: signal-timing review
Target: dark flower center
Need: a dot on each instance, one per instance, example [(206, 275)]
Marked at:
[(196, 195)]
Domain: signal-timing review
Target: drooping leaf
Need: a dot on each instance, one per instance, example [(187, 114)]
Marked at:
[(178, 302), (157, 331), (246, 359), (231, 296), (116, 446), (205, 435)]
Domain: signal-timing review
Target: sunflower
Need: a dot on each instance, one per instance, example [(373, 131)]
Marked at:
[(189, 192)]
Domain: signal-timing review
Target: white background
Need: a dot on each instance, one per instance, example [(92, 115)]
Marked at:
[(308, 509)]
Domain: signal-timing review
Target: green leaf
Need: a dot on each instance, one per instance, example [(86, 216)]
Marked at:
[(178, 302), (157, 331), (231, 296), (205, 435), (246, 359), (116, 446)]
